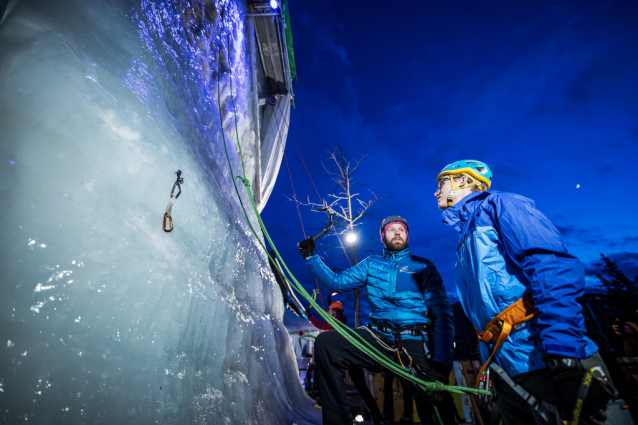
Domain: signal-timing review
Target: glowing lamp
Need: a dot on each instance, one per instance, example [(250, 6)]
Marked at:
[(274, 4), (351, 238), (359, 418)]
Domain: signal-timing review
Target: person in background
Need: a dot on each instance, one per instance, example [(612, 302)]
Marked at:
[(335, 309), (630, 339)]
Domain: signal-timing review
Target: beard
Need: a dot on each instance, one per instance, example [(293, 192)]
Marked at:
[(396, 244)]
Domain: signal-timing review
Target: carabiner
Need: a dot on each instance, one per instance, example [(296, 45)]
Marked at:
[(169, 207), (170, 221)]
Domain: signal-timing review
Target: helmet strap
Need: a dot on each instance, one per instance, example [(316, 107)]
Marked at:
[(450, 200)]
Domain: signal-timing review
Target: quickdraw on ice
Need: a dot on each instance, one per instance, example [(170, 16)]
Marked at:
[(169, 207)]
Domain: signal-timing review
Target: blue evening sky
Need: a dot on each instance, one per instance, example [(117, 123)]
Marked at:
[(544, 92)]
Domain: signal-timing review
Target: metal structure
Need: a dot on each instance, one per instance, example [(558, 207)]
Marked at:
[(269, 24)]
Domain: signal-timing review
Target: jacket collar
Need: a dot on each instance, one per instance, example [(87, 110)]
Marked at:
[(457, 215), (396, 255)]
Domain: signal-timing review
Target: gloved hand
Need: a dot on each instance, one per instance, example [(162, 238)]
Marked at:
[(567, 374), (306, 247), (438, 372), (306, 312)]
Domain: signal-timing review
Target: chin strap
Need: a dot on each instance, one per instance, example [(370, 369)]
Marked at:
[(470, 181)]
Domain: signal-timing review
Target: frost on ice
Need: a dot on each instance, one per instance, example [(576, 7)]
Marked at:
[(105, 318)]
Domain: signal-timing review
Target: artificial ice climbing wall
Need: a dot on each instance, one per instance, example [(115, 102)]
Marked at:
[(105, 318)]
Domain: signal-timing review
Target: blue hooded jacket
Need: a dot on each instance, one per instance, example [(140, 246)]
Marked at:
[(507, 250), (403, 290)]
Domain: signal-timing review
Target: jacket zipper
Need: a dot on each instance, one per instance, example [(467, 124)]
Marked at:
[(392, 288)]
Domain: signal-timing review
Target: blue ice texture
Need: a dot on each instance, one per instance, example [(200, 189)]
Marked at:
[(105, 318)]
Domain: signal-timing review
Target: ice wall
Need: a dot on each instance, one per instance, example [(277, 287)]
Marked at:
[(106, 319)]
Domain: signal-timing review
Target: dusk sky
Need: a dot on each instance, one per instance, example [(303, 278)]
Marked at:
[(544, 92)]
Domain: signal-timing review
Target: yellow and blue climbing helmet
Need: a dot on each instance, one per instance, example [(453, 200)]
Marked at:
[(477, 169), (478, 172)]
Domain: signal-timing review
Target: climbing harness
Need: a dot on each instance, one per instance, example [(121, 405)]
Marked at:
[(382, 344), (399, 351), (500, 327), (357, 340), (303, 244), (169, 207), (413, 330)]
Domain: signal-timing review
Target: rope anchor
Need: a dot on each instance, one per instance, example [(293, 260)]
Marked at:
[(169, 207)]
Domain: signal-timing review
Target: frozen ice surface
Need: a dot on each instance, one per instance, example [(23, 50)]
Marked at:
[(106, 319)]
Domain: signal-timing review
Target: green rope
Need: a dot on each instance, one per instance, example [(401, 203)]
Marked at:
[(349, 334), (437, 415)]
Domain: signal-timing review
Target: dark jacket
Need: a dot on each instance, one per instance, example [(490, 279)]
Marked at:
[(325, 326)]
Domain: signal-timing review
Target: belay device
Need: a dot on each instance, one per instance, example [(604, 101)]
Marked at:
[(169, 207), (303, 244)]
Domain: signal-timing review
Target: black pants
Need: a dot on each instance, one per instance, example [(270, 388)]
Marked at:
[(388, 396), (514, 410), (334, 354), (359, 380)]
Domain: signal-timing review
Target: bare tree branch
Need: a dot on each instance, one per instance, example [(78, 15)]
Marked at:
[(349, 207)]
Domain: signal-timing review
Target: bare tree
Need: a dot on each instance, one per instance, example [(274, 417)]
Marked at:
[(349, 210)]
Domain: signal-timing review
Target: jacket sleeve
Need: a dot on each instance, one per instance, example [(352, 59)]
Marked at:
[(353, 278), (557, 278), (440, 315), (324, 326)]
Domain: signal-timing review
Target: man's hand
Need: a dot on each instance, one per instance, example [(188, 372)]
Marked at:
[(438, 372), (306, 312), (306, 247), (568, 374)]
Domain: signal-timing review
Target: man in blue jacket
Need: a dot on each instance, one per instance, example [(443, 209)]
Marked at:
[(410, 311), (511, 255)]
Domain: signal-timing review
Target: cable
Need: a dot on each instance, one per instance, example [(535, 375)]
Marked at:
[(345, 251)]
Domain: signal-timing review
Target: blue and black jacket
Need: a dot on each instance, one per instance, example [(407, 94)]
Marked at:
[(507, 250), (403, 290)]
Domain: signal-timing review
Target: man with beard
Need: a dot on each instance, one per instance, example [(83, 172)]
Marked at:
[(411, 314)]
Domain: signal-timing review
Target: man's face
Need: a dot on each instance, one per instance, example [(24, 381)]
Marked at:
[(629, 330), (333, 312), (396, 239), (443, 188)]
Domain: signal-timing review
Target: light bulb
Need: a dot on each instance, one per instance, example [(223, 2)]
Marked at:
[(351, 238), (274, 4)]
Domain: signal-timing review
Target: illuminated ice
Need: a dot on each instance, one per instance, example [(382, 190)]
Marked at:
[(105, 318)]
